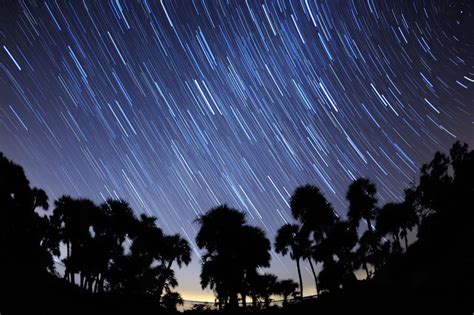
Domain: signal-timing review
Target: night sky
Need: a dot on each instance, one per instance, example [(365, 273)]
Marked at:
[(180, 106)]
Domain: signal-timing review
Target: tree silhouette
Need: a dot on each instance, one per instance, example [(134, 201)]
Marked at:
[(289, 240), (365, 253), (332, 275), (212, 276), (265, 285), (340, 240), (255, 249), (310, 207), (286, 288), (396, 219), (443, 199), (25, 236), (362, 206), (146, 249), (388, 221), (233, 252), (121, 219), (75, 219), (362, 202), (221, 269), (108, 250), (119, 224), (446, 186), (177, 250), (171, 300)]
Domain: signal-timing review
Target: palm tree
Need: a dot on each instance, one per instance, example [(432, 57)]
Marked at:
[(148, 238), (146, 250), (309, 205), (307, 253), (117, 224), (234, 250), (25, 235), (121, 219), (288, 241), (434, 184), (218, 228), (396, 219), (332, 275), (255, 248), (408, 219), (340, 241), (49, 243), (388, 221), (286, 288), (212, 275), (171, 299), (362, 206), (140, 272), (75, 218), (176, 249), (362, 202), (266, 286), (367, 253)]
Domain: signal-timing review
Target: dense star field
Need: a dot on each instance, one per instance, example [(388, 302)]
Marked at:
[(178, 106)]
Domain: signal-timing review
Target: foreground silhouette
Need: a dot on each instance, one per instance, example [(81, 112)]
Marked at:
[(234, 251), (108, 253), (115, 262)]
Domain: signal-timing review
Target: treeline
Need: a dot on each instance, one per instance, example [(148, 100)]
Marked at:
[(366, 239), (106, 249)]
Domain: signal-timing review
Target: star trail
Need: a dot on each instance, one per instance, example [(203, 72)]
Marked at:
[(178, 106)]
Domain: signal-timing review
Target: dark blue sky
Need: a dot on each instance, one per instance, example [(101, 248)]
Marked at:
[(178, 106)]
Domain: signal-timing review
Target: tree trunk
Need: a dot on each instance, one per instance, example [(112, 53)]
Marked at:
[(267, 301), (374, 244), (71, 277), (366, 270), (244, 300), (233, 301), (406, 240), (101, 284), (162, 282), (67, 274), (397, 238), (90, 284), (314, 275), (254, 301), (349, 267), (219, 304), (96, 286), (299, 276)]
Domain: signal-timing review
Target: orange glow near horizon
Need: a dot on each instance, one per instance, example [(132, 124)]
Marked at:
[(208, 296), (197, 296)]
